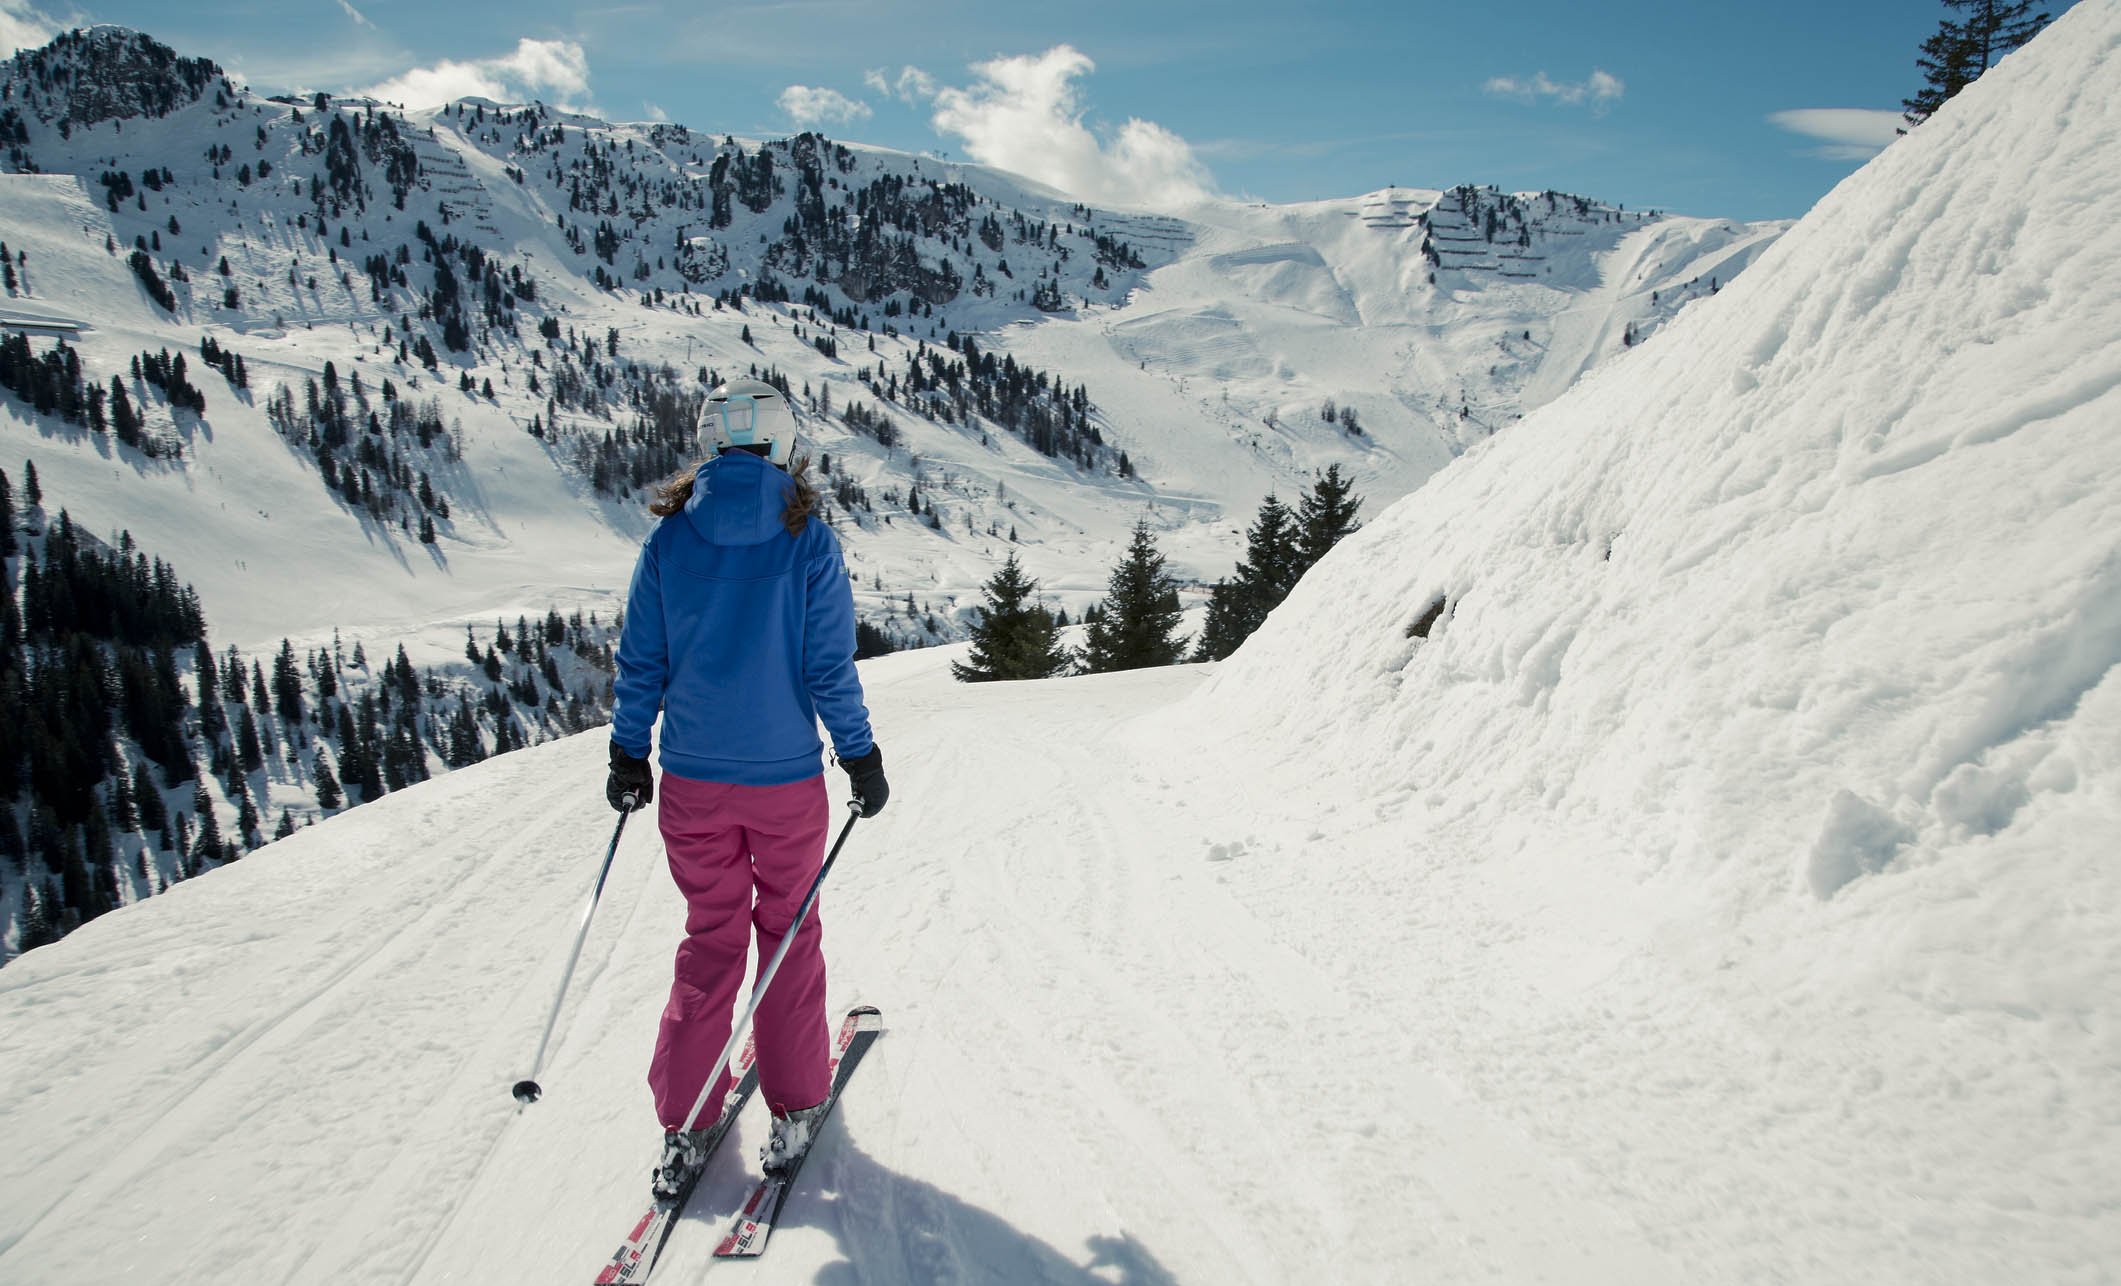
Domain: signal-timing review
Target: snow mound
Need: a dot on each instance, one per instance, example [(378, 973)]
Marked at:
[(1841, 529), (1776, 661)]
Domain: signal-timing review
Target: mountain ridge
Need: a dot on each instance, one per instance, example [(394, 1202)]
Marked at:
[(437, 360)]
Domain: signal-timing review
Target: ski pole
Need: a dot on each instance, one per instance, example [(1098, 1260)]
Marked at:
[(773, 966), (527, 1090)]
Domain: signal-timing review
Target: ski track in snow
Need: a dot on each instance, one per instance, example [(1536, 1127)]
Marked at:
[(1101, 1063)]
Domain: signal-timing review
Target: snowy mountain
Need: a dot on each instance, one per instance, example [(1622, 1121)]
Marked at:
[(1674, 845), (617, 265), (367, 378)]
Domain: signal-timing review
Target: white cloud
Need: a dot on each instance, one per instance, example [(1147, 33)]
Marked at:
[(1024, 114), (807, 106), (912, 86), (23, 27), (1599, 92), (360, 19), (1850, 133), (655, 113), (554, 70)]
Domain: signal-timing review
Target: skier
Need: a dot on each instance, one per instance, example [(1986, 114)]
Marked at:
[(740, 631)]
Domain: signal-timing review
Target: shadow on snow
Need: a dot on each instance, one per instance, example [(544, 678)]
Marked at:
[(893, 1228)]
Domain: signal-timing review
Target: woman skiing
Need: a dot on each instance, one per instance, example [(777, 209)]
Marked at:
[(740, 631)]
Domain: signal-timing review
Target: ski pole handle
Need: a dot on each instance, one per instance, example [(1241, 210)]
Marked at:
[(527, 1090)]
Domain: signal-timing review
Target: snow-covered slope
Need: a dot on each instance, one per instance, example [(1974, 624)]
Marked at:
[(244, 516), (1762, 696), (473, 337), (1715, 886)]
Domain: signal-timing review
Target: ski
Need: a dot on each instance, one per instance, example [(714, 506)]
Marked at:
[(637, 1254), (754, 1221)]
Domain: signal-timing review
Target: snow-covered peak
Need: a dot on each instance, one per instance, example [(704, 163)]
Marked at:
[(87, 76), (1210, 346)]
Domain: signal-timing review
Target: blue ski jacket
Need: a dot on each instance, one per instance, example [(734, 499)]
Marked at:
[(742, 635)]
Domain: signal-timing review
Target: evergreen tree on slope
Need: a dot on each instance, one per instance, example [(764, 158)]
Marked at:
[(1239, 606), (1279, 549), (1137, 624), (207, 845), (1958, 52), (1325, 516), (1017, 638)]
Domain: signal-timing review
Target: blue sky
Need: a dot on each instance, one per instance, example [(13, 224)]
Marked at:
[(1733, 110)]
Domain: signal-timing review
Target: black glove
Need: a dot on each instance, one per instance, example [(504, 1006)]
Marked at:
[(629, 776), (866, 774)]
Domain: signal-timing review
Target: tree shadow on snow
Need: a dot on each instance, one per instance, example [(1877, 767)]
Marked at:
[(896, 1229)]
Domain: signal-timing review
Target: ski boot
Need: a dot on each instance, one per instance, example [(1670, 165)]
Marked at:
[(683, 1154), (791, 1137)]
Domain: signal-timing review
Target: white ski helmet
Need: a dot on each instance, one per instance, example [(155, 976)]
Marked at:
[(750, 414)]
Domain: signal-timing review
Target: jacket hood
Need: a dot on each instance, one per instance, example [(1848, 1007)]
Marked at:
[(738, 499)]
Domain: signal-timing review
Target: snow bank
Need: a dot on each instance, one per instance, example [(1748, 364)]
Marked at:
[(1776, 661), (1848, 528)]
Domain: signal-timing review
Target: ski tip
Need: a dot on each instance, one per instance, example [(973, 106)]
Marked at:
[(866, 1018), (746, 1241)]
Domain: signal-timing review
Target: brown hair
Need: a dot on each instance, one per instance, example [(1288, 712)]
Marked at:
[(672, 496)]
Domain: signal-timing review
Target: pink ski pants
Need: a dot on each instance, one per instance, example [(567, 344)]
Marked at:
[(743, 856)]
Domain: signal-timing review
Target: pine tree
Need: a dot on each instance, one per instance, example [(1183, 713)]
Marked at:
[(125, 421), (7, 516), (287, 684), (328, 793), (233, 688), (125, 809), (206, 842), (1240, 605), (408, 762), (1957, 53), (82, 897), (36, 926), (1016, 637), (251, 754), (370, 740), (154, 815), (213, 719), (246, 816), (102, 854), (465, 746), (1137, 623), (1325, 516)]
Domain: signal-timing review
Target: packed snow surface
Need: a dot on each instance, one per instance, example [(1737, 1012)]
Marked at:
[(1674, 845), (1763, 691)]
